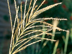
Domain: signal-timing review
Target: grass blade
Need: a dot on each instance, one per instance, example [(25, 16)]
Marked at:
[(66, 42), (55, 47)]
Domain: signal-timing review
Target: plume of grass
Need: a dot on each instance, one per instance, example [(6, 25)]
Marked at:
[(26, 25)]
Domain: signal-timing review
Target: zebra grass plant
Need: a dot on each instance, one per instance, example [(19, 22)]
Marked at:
[(28, 29)]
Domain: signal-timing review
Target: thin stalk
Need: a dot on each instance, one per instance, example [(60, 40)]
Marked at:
[(9, 13), (55, 23), (66, 42), (24, 14), (55, 47), (11, 24), (28, 12), (21, 15)]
